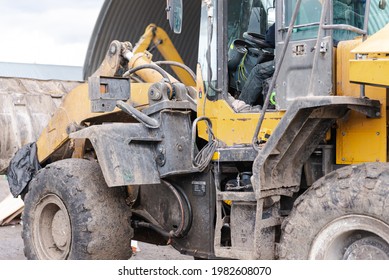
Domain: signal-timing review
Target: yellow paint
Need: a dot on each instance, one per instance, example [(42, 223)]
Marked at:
[(370, 71), (358, 138), (228, 126), (371, 63), (158, 36), (148, 75), (76, 108), (376, 43)]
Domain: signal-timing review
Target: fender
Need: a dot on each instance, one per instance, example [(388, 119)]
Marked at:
[(118, 147), (132, 154)]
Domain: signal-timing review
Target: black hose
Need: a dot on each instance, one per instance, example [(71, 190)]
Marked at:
[(156, 228), (138, 115), (181, 227), (177, 64), (190, 211), (184, 226), (148, 66)]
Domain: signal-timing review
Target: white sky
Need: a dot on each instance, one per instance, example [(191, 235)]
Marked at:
[(46, 31)]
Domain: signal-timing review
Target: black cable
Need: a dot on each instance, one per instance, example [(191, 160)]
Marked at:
[(183, 66), (181, 227), (184, 226), (190, 211), (148, 66), (161, 231)]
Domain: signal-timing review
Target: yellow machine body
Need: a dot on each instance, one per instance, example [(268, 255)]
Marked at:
[(229, 127), (361, 139)]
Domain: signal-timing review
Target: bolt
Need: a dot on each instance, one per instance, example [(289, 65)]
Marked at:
[(113, 49), (343, 159), (343, 133), (179, 147), (378, 133)]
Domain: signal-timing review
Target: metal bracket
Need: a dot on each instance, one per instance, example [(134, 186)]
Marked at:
[(104, 92)]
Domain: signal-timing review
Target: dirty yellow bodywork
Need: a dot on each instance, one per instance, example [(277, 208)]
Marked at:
[(156, 35), (360, 139), (76, 109), (229, 127), (371, 66)]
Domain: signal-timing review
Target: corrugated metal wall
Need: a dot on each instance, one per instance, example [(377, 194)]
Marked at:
[(126, 20)]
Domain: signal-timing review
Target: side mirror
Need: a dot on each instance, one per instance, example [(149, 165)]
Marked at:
[(174, 15), (271, 16), (382, 4)]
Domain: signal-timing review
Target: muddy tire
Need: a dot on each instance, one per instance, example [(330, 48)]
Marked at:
[(70, 213), (344, 215)]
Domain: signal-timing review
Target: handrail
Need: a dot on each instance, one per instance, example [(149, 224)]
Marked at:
[(320, 35), (254, 141), (345, 27)]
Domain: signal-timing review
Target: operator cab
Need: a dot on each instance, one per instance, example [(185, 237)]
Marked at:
[(248, 41), (233, 40)]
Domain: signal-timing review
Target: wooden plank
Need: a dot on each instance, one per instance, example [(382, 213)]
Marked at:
[(10, 208)]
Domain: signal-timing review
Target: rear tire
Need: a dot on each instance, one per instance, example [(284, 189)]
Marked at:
[(344, 215), (70, 213)]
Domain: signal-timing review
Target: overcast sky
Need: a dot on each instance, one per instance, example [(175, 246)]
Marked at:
[(46, 31)]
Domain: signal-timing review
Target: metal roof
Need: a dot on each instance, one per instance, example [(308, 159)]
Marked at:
[(126, 20), (41, 71)]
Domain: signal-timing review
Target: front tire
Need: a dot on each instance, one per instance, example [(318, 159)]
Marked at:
[(344, 215), (70, 213)]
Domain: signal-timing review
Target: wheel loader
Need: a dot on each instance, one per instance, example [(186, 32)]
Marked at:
[(156, 150)]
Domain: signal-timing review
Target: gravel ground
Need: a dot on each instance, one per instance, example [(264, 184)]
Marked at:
[(11, 243)]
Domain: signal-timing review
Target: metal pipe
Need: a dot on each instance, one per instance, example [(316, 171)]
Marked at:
[(344, 27), (366, 21), (320, 35), (275, 75), (364, 37)]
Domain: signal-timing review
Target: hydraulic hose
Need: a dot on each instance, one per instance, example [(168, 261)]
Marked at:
[(148, 66), (186, 221), (177, 64), (138, 115), (156, 228), (190, 211)]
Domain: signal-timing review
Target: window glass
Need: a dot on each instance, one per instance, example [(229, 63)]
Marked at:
[(253, 16), (350, 12), (310, 12)]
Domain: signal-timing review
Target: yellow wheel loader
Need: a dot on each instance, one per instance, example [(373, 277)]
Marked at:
[(157, 145)]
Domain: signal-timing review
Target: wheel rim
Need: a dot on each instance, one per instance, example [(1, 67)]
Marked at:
[(352, 237), (52, 229)]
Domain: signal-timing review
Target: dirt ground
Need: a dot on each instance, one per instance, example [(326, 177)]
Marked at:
[(11, 243)]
